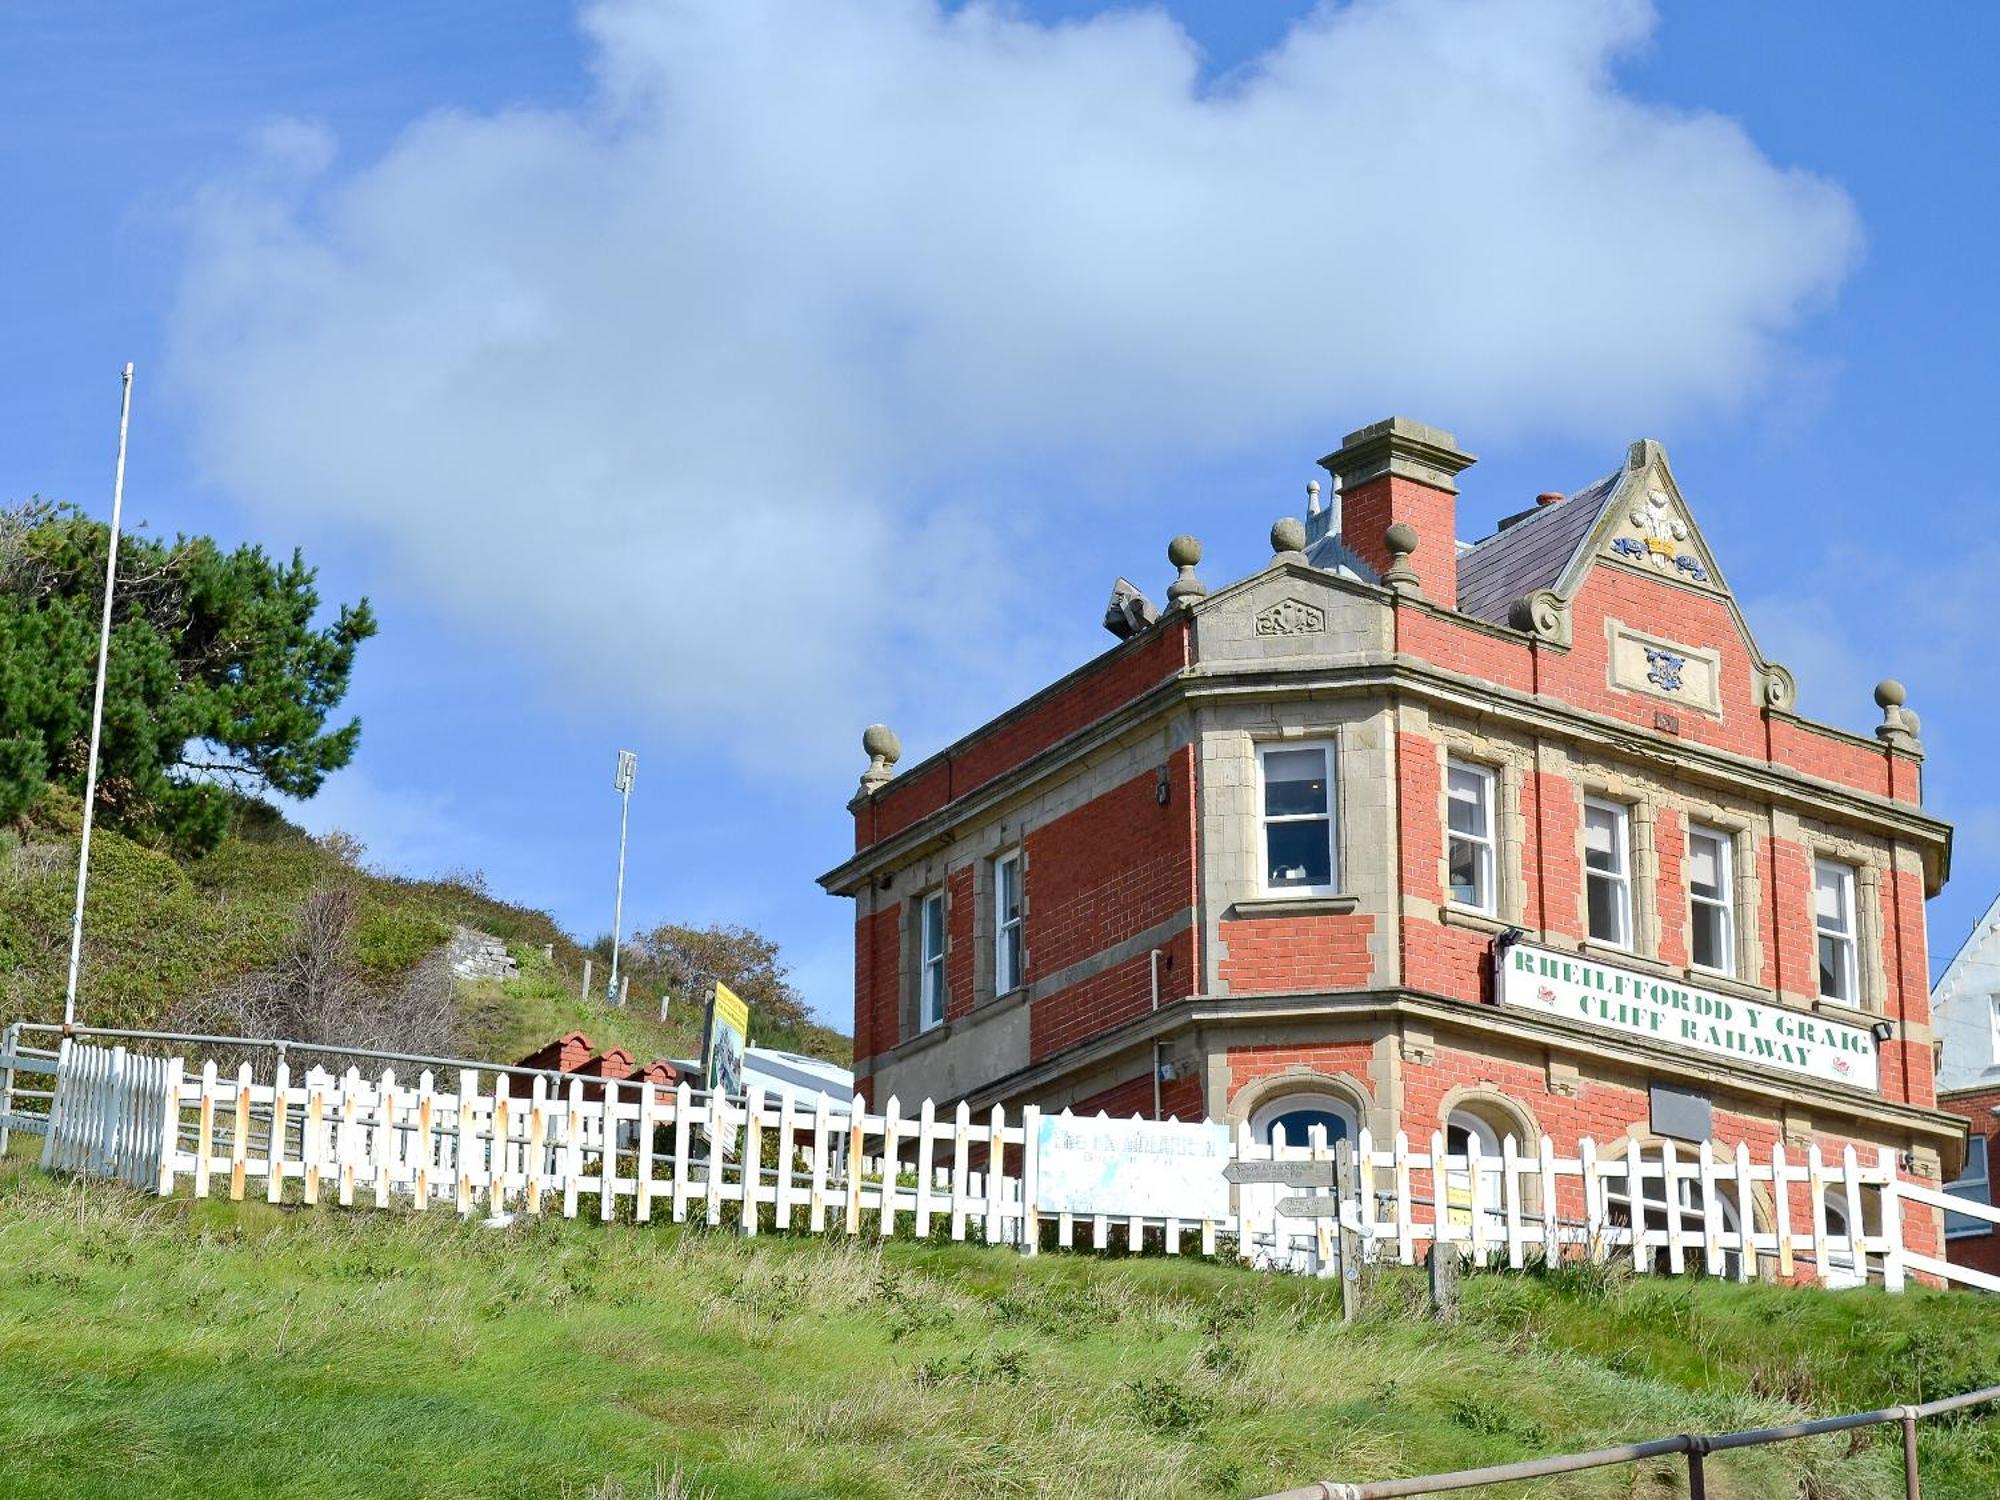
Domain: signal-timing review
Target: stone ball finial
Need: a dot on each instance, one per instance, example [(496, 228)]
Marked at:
[(1184, 552), (1911, 722), (1312, 497), (1288, 537), (1890, 693), (1401, 539), (884, 750)]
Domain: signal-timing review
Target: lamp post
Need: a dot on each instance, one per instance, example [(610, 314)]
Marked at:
[(628, 766), (97, 707)]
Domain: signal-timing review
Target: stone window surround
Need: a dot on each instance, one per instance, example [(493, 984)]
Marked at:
[(986, 923), (1333, 741), (1509, 764), (930, 882), (1871, 976), (1338, 738)]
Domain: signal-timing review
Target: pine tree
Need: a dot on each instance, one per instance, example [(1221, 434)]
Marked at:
[(219, 684)]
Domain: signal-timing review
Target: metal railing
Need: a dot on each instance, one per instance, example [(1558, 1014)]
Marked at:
[(1695, 1446)]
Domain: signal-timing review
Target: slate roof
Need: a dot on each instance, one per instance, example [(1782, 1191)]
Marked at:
[(1531, 554)]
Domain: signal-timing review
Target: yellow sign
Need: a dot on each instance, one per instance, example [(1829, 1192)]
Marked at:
[(728, 1037)]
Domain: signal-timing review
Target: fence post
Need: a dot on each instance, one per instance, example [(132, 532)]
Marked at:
[(535, 1165), (926, 1131), (1031, 1219), (892, 1121), (586, 977), (1781, 1209), (1892, 1228), (1910, 1487), (753, 1155), (274, 1166), (996, 1172), (1746, 1221), (1443, 1263), (170, 1126), (239, 1144), (9, 1046), (385, 1152), (1346, 1190)]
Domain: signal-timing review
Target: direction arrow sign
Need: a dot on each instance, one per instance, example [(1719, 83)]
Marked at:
[(1308, 1208), (1283, 1173)]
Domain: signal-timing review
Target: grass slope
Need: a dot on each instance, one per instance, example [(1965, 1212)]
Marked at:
[(161, 931), (176, 1348)]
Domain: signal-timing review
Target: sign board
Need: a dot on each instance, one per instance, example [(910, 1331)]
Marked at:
[(1621, 1002), (1157, 1169), (724, 1038), (1283, 1173)]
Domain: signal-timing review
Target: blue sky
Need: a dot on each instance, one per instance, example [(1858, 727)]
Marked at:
[(712, 380)]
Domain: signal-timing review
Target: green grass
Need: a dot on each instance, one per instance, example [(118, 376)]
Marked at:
[(177, 1348)]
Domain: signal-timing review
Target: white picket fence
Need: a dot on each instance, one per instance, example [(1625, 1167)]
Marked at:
[(765, 1164)]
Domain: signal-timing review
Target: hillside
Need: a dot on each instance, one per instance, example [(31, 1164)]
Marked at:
[(163, 934), (185, 1348)]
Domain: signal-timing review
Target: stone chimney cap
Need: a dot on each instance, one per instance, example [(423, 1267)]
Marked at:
[(1402, 447)]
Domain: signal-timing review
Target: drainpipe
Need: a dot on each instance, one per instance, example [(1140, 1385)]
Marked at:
[(1153, 963)]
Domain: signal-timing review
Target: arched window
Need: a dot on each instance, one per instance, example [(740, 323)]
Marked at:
[(1462, 1131), (1687, 1214), (1843, 1264), (1297, 1114)]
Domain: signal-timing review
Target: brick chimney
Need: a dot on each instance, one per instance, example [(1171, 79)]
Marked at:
[(1399, 470)]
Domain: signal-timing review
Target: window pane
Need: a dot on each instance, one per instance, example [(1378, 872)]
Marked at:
[(1467, 801), (1010, 890), (1830, 895), (1607, 910), (1294, 782), (1600, 838), (1298, 854), (1711, 941), (1832, 967), (1298, 1124), (933, 927), (1705, 865), (1465, 884)]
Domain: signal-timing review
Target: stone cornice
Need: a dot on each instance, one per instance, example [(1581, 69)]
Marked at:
[(1465, 1015), (1413, 678)]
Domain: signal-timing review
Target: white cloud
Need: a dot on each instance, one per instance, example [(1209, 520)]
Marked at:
[(726, 365)]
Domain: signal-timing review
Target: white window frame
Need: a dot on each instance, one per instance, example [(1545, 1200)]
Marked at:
[(1981, 1191), (1621, 878), (1272, 1110), (1485, 846), (931, 963), (1845, 937), (1009, 962), (1724, 902), (1330, 751)]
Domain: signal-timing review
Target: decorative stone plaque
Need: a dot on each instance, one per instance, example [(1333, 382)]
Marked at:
[(1291, 617)]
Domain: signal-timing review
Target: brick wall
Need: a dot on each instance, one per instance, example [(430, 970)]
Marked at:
[(878, 943), (1099, 875), (1270, 955), (1368, 509), (1981, 1252), (1098, 689), (959, 951), (1180, 1099)]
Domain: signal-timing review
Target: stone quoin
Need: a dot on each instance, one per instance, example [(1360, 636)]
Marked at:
[(1264, 859)]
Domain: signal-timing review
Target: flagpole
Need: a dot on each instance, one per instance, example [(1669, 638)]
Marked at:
[(97, 708)]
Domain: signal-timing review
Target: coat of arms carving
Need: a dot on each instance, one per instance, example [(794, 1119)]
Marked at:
[(1291, 617)]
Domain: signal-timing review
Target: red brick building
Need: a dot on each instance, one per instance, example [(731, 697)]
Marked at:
[(1522, 837), (1965, 1012)]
